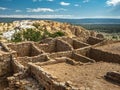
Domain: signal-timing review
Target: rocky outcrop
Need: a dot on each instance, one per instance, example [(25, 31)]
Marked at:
[(8, 29)]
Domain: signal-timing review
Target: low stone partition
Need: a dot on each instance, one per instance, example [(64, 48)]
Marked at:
[(17, 66), (21, 63), (108, 52), (47, 47), (71, 55), (80, 58), (55, 45), (63, 46), (83, 51), (25, 60), (90, 40), (106, 42), (60, 54), (3, 47), (76, 44), (67, 39), (100, 55), (93, 40)]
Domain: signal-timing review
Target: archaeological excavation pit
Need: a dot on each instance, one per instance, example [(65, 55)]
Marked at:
[(76, 44), (54, 46), (110, 52), (25, 60), (72, 56), (64, 75), (61, 45), (91, 40), (25, 49)]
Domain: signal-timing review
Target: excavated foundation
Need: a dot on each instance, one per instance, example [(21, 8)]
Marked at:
[(61, 64)]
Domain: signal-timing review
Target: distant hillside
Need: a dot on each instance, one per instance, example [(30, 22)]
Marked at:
[(72, 21)]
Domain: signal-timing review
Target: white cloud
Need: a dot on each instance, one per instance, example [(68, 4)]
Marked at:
[(112, 2), (76, 5), (85, 1), (43, 10), (64, 3), (40, 10), (60, 9), (18, 10), (42, 0), (3, 8), (36, 0), (37, 16), (50, 0)]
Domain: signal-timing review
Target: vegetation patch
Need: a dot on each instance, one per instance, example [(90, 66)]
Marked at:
[(34, 35)]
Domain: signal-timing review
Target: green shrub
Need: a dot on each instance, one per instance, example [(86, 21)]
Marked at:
[(46, 34), (17, 37), (31, 35), (57, 34)]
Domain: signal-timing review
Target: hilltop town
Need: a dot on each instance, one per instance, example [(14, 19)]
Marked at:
[(74, 59)]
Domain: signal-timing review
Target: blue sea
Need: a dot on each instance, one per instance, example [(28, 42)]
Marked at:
[(72, 21)]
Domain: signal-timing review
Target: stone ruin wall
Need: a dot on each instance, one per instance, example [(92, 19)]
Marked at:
[(17, 66), (60, 54), (47, 47), (24, 49), (62, 46), (78, 44), (5, 65), (21, 49), (45, 79), (35, 51), (83, 53), (48, 81), (93, 40), (25, 60), (100, 55), (80, 48), (80, 58), (55, 46)]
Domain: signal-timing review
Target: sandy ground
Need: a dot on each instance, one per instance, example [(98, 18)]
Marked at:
[(86, 76), (113, 48)]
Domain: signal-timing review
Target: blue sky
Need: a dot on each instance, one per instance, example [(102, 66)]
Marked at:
[(60, 8)]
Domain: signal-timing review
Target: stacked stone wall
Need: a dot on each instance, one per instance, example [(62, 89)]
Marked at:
[(100, 55)]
